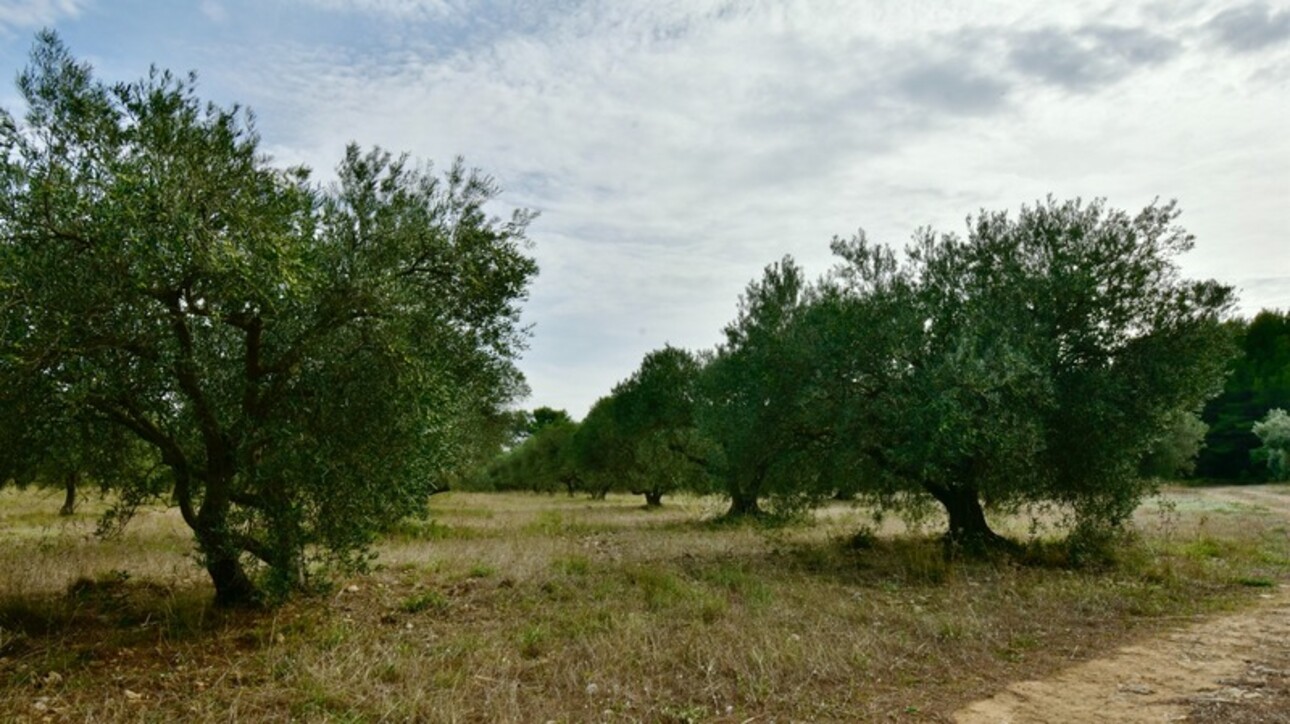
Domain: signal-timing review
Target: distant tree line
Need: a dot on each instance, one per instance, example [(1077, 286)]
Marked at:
[(1258, 384)]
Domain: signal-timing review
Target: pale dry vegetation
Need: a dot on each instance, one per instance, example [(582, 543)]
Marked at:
[(510, 607)]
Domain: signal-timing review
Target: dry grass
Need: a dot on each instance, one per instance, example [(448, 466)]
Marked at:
[(529, 608)]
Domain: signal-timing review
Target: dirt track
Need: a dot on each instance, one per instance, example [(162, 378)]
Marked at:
[(1226, 668)]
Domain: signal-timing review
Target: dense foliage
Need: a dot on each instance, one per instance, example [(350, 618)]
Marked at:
[(1037, 360), (51, 446), (1274, 432), (754, 393), (1173, 454), (642, 437), (306, 362), (1260, 381)]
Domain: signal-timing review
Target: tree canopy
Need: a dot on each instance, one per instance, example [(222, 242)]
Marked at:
[(307, 361), (755, 391), (1035, 360), (639, 438), (642, 437)]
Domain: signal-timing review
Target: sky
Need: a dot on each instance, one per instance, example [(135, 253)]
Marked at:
[(674, 148)]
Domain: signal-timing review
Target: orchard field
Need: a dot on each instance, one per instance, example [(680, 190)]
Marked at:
[(521, 607), (921, 483)]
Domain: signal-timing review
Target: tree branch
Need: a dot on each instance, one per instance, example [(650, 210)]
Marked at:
[(128, 415)]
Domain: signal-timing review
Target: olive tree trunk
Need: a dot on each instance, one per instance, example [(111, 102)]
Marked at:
[(743, 504), (220, 546), (968, 528), (69, 495)]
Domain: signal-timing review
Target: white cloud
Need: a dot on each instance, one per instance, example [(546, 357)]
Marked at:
[(1264, 293), (19, 14), (1088, 57), (675, 148), (214, 11), (402, 9)]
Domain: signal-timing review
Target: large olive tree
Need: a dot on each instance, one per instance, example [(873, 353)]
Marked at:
[(306, 361), (1037, 359), (756, 394)]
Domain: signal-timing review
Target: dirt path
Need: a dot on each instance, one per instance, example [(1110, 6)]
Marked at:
[(1228, 668)]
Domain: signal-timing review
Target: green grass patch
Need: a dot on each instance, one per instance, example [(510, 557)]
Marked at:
[(658, 588), (557, 524), (1204, 548), (1256, 582), (532, 641), (426, 601), (572, 565), (739, 580)]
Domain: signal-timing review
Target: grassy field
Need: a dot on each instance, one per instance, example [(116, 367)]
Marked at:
[(530, 608)]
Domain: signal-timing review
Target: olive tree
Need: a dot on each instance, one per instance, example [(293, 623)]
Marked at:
[(642, 436), (753, 394), (1038, 359), (657, 408), (543, 459), (602, 451), (304, 359)]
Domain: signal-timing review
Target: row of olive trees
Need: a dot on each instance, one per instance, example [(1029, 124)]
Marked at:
[(640, 438), (294, 365), (1038, 360)]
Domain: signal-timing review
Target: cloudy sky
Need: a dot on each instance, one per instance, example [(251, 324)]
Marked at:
[(675, 147)]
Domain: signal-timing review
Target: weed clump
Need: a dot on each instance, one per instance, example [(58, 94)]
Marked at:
[(427, 601)]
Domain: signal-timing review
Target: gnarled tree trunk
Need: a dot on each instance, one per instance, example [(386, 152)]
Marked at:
[(219, 546), (742, 505), (233, 589), (653, 495), (743, 498), (968, 528)]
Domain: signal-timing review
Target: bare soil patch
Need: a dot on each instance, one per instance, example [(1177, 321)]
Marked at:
[(1232, 668), (1216, 669)]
